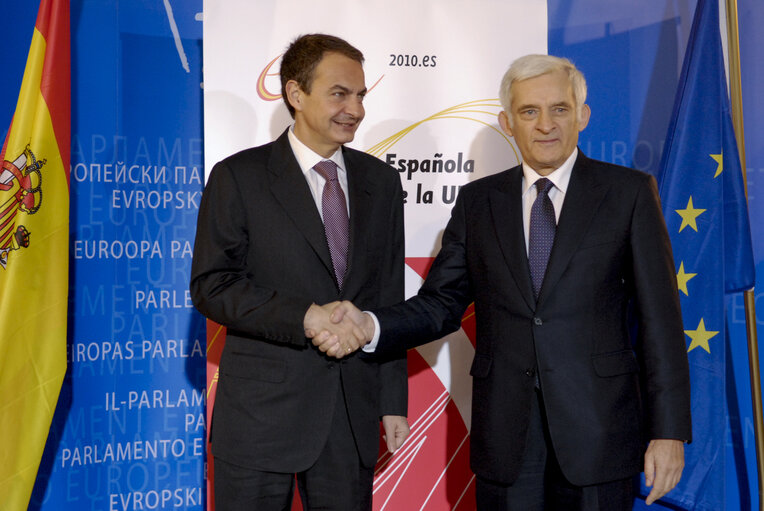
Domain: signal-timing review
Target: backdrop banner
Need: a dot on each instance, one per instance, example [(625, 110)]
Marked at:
[(128, 433), (433, 73)]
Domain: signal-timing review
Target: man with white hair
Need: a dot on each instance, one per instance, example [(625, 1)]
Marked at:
[(569, 402)]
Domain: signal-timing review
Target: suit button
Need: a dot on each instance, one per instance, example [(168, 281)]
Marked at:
[(530, 373), (537, 321)]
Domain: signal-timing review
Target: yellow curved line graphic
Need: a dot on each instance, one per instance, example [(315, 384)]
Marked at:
[(462, 111), (214, 338), (213, 383)]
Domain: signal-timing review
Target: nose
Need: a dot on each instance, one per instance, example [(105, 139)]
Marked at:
[(354, 107), (544, 122)]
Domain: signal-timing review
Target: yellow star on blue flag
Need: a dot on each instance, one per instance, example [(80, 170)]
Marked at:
[(700, 337), (682, 278), (690, 216), (719, 159)]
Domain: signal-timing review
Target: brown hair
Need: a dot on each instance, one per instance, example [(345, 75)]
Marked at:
[(303, 55)]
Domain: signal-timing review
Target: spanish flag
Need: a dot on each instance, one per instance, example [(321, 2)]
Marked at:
[(34, 255)]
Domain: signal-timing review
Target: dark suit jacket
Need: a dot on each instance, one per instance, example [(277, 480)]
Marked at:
[(260, 259), (611, 253)]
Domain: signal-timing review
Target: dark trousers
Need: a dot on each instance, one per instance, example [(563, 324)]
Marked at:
[(541, 486), (336, 482)]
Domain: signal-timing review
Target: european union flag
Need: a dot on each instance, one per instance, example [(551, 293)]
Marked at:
[(707, 218)]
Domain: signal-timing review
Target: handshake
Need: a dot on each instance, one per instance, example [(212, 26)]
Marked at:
[(338, 328)]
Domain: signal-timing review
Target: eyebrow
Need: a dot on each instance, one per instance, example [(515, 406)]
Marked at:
[(345, 89), (531, 105)]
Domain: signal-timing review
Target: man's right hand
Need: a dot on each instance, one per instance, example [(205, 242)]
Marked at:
[(336, 338), (329, 338)]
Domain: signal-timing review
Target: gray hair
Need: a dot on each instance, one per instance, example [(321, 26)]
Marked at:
[(531, 66)]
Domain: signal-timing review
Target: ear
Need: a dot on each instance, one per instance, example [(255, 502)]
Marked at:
[(504, 123), (294, 95), (583, 121)]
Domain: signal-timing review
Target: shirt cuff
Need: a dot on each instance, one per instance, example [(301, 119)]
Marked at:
[(371, 346)]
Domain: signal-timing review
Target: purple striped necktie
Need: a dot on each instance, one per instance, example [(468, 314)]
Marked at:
[(336, 222), (543, 227)]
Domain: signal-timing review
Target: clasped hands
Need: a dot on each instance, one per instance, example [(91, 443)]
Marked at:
[(338, 328)]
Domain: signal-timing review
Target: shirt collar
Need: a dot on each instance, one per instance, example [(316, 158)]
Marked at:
[(560, 177), (307, 158)]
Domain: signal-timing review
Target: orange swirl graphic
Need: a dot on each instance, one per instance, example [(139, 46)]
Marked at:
[(262, 91)]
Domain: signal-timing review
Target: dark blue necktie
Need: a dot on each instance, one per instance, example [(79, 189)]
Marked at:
[(542, 230)]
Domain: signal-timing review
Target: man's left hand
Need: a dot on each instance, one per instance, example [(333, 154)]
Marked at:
[(664, 461), (396, 430)]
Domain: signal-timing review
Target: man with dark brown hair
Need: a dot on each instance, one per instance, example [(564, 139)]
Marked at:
[(282, 227)]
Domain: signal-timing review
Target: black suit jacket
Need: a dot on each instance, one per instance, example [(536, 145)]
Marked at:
[(260, 259), (605, 392)]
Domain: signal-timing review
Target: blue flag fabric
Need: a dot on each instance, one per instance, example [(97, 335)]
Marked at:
[(706, 214)]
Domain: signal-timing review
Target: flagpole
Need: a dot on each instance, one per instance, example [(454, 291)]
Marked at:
[(736, 100)]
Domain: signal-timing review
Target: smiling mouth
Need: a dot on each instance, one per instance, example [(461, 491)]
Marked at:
[(347, 124)]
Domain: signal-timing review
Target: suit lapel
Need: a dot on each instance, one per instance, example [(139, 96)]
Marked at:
[(507, 214), (582, 199), (360, 194), (290, 189)]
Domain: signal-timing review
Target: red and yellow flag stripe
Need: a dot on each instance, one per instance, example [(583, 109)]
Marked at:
[(34, 240)]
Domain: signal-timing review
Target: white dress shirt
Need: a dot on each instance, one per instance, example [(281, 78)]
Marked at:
[(307, 159), (559, 177)]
